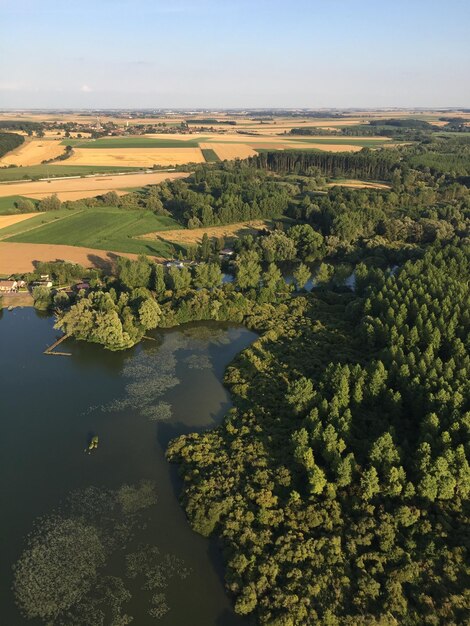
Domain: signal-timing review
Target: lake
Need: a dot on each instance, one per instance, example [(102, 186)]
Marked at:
[(135, 402)]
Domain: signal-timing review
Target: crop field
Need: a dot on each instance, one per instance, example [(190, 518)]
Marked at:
[(9, 220), (133, 142), (33, 152), (36, 220), (228, 151), (135, 157), (76, 188), (20, 257), (193, 236), (36, 172), (209, 155), (101, 228)]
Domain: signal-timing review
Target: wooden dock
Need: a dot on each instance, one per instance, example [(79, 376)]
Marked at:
[(50, 349)]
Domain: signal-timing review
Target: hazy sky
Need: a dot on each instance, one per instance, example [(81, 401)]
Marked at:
[(234, 53)]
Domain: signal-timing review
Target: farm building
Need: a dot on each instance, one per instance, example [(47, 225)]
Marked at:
[(8, 286)]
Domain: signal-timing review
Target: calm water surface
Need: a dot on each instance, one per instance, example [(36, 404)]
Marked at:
[(49, 407)]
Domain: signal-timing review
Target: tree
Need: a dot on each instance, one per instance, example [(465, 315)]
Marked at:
[(324, 274), (207, 275), (159, 280), (205, 250), (24, 205), (134, 273), (248, 270), (149, 314), (309, 242), (301, 276), (50, 203)]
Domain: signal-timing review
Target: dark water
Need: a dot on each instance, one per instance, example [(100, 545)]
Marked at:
[(49, 405)]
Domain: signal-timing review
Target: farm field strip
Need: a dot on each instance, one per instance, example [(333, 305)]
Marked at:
[(193, 236), (101, 228), (10, 220), (230, 150), (85, 187), (136, 157), (20, 257), (36, 220), (33, 152)]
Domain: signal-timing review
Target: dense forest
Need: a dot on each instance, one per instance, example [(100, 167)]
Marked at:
[(338, 484), (9, 141)]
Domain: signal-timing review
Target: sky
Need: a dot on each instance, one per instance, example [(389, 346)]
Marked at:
[(234, 53)]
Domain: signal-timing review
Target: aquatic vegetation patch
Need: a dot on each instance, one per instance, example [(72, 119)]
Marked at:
[(62, 575)]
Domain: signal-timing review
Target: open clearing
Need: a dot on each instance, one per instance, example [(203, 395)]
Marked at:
[(33, 152), (135, 157), (76, 188), (105, 228), (194, 236), (9, 220), (20, 257), (358, 184)]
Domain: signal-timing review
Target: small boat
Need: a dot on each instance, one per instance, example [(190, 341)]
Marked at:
[(93, 444)]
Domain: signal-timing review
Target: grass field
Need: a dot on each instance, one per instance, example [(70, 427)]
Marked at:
[(209, 155), (7, 204), (133, 142), (101, 228), (36, 221), (45, 171)]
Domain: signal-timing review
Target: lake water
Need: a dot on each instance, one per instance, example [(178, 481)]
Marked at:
[(51, 405)]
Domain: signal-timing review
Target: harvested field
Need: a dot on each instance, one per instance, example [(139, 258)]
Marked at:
[(135, 157), (358, 184), (228, 151), (327, 147), (8, 220), (76, 188), (194, 236), (19, 257), (33, 152)]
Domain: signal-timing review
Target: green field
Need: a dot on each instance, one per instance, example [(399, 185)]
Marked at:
[(33, 222), (209, 155), (133, 142), (7, 204), (103, 228), (49, 171)]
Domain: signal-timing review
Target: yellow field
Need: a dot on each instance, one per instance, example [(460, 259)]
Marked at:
[(76, 188), (228, 151), (359, 184), (33, 152), (9, 220), (194, 236), (134, 157), (19, 257)]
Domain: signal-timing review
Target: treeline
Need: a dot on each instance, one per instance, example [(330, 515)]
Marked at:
[(9, 141), (339, 482), (367, 165)]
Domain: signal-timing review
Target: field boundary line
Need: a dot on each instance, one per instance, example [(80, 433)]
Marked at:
[(59, 219)]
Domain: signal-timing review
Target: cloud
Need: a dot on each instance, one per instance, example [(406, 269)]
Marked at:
[(86, 88)]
